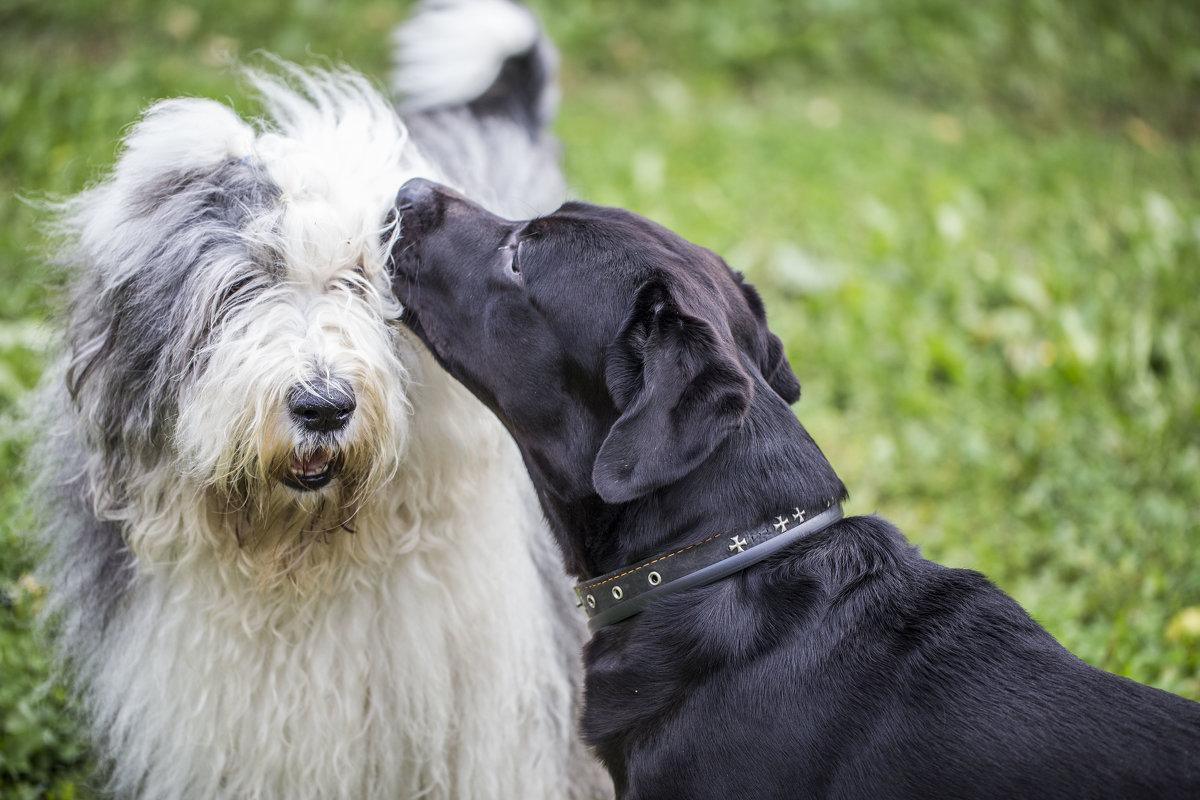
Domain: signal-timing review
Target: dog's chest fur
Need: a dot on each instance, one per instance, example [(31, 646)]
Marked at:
[(384, 682)]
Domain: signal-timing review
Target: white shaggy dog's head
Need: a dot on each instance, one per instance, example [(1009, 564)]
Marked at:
[(237, 311)]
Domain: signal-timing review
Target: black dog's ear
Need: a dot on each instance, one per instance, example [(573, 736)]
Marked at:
[(681, 390), (769, 349)]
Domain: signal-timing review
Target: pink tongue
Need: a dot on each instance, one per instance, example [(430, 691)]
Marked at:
[(315, 463)]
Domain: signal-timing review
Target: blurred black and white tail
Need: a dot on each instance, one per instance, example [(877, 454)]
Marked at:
[(488, 55)]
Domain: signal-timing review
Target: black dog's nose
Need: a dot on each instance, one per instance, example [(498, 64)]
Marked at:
[(414, 193), (322, 407), (419, 211)]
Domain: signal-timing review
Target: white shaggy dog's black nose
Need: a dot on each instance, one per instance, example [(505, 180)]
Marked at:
[(322, 408)]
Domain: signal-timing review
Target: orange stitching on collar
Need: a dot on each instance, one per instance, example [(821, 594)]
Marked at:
[(664, 557)]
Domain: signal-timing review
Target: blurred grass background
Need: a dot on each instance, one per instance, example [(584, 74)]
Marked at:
[(977, 228)]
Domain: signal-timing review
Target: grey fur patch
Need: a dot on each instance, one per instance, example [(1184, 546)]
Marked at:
[(105, 409), (136, 338)]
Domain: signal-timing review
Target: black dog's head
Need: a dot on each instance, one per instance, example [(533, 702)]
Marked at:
[(618, 354)]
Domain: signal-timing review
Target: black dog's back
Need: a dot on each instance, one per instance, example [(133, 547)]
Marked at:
[(852, 667)]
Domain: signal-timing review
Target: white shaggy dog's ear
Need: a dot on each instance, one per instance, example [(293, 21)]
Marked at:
[(182, 135), (173, 138)]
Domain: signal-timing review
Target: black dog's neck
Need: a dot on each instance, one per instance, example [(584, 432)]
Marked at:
[(750, 478)]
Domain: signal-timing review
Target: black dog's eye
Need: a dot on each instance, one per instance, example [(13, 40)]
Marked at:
[(514, 264), (518, 244)]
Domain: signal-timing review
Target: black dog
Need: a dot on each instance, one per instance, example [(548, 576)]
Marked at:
[(651, 403)]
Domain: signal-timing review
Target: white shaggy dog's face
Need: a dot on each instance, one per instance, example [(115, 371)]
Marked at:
[(299, 411), (237, 336)]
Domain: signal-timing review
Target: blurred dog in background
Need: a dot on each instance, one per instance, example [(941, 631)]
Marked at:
[(289, 556)]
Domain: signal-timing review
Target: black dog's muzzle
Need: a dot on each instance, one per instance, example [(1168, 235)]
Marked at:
[(414, 198), (421, 205)]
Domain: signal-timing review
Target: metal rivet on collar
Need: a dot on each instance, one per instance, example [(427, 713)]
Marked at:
[(714, 558)]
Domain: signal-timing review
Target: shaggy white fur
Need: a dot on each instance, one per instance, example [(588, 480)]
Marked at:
[(404, 629)]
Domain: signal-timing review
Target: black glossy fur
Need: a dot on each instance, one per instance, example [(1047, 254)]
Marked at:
[(637, 374)]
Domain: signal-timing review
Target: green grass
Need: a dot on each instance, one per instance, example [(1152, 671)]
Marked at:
[(977, 231)]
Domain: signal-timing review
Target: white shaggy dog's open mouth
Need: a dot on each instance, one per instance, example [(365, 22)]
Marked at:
[(311, 471)]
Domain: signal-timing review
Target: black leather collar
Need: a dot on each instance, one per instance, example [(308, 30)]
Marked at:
[(624, 592)]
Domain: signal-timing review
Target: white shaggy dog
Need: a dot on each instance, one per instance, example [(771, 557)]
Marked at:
[(289, 556)]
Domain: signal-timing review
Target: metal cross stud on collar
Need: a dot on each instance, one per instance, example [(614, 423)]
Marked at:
[(694, 565)]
